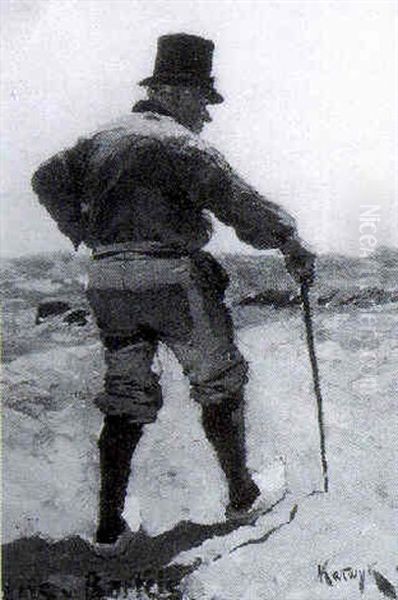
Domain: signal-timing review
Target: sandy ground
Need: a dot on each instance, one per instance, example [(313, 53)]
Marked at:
[(50, 470)]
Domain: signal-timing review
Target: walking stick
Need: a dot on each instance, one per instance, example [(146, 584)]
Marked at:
[(315, 375)]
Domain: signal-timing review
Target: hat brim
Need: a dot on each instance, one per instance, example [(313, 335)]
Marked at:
[(212, 96)]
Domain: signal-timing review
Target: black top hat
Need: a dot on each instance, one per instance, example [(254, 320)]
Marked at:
[(184, 59)]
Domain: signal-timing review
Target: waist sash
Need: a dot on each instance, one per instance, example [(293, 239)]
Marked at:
[(126, 250)]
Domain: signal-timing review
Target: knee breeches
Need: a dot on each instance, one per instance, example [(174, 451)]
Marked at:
[(179, 303)]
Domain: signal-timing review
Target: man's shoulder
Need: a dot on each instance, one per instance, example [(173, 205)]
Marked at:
[(147, 125), (150, 132)]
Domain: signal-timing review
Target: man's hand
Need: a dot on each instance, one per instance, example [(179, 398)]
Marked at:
[(300, 262)]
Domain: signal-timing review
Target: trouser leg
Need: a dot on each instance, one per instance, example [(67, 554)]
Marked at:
[(117, 442), (217, 375), (131, 387), (132, 398)]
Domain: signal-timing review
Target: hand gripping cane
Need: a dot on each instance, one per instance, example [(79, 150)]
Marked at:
[(315, 375)]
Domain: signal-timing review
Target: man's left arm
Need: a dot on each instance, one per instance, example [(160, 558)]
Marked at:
[(256, 220), (264, 225)]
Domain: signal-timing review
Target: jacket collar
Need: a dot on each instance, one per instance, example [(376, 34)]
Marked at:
[(151, 106)]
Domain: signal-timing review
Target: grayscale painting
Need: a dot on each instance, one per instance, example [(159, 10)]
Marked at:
[(200, 300)]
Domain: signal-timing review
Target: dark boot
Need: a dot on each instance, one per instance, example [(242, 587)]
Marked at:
[(224, 428), (117, 442)]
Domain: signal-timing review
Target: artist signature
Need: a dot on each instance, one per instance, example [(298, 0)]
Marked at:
[(333, 577)]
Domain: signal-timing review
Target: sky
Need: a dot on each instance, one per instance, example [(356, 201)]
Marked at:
[(309, 118)]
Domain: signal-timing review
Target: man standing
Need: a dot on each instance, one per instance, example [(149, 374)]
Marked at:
[(136, 192)]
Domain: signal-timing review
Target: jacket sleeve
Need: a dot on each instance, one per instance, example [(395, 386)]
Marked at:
[(57, 183), (212, 183)]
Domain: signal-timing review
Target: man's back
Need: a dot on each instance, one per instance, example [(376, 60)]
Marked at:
[(145, 177), (129, 184), (135, 187)]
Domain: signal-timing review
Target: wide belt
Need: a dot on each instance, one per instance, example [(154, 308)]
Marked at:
[(126, 250)]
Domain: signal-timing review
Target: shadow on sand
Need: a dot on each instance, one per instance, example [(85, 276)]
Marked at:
[(36, 568)]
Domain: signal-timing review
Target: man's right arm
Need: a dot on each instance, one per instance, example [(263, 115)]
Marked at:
[(57, 184)]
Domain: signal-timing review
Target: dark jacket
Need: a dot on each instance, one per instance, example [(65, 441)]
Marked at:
[(146, 178)]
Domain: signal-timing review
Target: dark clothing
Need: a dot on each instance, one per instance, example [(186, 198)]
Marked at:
[(137, 192), (147, 178), (140, 302), (117, 443)]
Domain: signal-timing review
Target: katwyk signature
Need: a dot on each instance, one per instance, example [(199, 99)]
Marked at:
[(332, 577)]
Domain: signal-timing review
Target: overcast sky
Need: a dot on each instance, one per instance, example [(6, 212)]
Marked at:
[(310, 116)]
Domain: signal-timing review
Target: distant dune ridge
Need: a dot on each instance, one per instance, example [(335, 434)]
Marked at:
[(254, 280)]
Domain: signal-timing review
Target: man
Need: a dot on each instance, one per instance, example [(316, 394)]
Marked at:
[(136, 192)]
